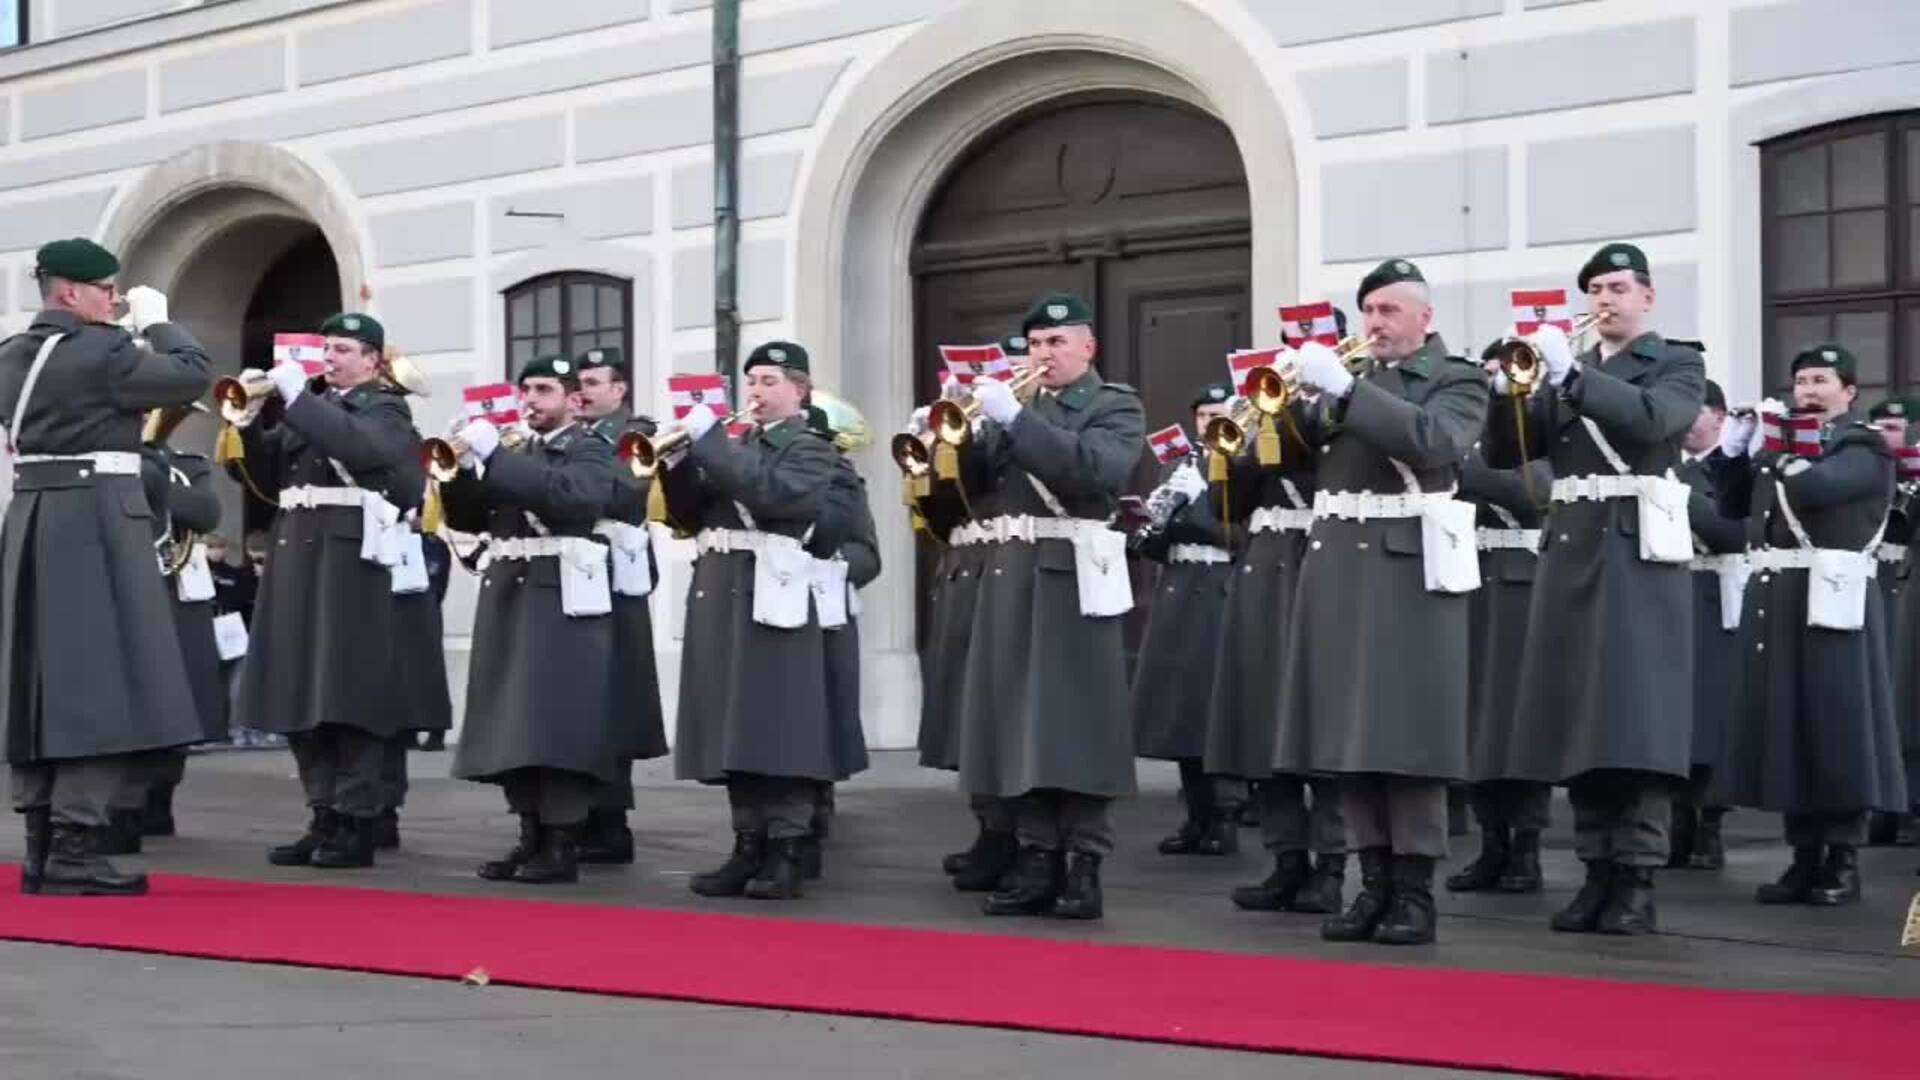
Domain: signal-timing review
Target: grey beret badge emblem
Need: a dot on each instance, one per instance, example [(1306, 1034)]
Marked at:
[(1829, 355), (562, 367), (1056, 311), (779, 355), (1403, 267), (350, 322), (596, 356), (1017, 342), (1621, 258)]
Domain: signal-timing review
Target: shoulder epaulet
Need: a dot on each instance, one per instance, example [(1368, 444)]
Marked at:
[(1463, 360), (1120, 386), (189, 454), (598, 432)]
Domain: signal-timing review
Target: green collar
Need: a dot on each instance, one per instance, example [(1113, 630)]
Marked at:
[(780, 434), (613, 423), (1421, 363), (1076, 394), (561, 438)]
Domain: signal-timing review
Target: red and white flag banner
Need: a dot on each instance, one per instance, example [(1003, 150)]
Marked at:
[(1309, 322), (1791, 433), (497, 402), (1534, 308), (970, 362), (1170, 444), (307, 350), (1909, 461), (1240, 363), (690, 390), (1806, 435)]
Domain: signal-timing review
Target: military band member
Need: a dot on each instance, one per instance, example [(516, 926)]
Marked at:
[(759, 709), (1298, 813), (1717, 669), (1893, 417), (1042, 711), (1606, 685), (93, 667), (543, 712), (342, 463), (1376, 668), (604, 393), (1173, 684), (1512, 813), (1816, 738), (943, 662)]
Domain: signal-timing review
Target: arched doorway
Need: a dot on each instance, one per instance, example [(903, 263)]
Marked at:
[(1137, 203)]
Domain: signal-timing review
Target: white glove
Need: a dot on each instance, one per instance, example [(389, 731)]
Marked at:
[(289, 378), (1186, 480), (481, 437), (1736, 435), (146, 306), (1501, 388), (996, 401), (1320, 368), (700, 420), (920, 420), (1554, 352)]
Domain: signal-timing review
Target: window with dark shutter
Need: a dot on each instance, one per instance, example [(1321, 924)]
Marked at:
[(567, 313)]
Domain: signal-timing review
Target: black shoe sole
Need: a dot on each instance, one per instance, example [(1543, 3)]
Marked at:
[(48, 888), (274, 859)]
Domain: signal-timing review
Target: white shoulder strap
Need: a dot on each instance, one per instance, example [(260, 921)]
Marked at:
[(1607, 451), (1800, 534), (1298, 500), (26, 388), (1505, 515), (1047, 496)]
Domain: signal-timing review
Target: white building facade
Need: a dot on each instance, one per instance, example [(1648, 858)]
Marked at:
[(494, 178)]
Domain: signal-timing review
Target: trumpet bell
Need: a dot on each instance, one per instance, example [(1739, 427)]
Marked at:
[(911, 454), (1268, 390), (403, 373), (440, 458), (1520, 362), (235, 397), (1224, 436), (950, 422), (851, 432)]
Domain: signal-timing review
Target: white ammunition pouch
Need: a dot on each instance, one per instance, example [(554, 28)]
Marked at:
[(632, 550), (1099, 559), (1733, 570), (1837, 579), (830, 599), (410, 573), (230, 635), (584, 591), (1449, 544), (1665, 533), (194, 583)]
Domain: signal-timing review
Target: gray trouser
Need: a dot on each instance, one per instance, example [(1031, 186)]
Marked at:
[(1405, 813), (144, 771), (617, 796), (1820, 830), (780, 806), (78, 791), (393, 771), (340, 769), (552, 796), (1286, 824), (1621, 815), (1053, 820), (995, 812), (1511, 804)]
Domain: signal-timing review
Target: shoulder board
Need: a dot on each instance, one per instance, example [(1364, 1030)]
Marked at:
[(605, 436), (1120, 386), (1463, 360), (188, 454)]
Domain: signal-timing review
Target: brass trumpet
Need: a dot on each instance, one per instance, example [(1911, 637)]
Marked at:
[(1273, 389), (1520, 359), (238, 397), (912, 450), (441, 457), (952, 421), (642, 453)]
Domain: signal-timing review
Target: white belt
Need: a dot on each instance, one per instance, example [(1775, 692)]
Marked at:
[(1769, 559), (1362, 505), (1280, 519), (1576, 488), (305, 497), (722, 541), (1508, 539), (1891, 553), (1021, 527), (1717, 564), (106, 462), (528, 547), (1198, 553)]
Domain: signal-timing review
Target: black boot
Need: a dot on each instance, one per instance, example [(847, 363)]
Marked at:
[(1183, 841), (1882, 828), (780, 874), (1838, 880), (1483, 873), (1522, 872), (156, 818), (39, 822), (606, 840), (1031, 887), (1369, 904), (957, 861), (1582, 916), (1321, 894), (993, 854), (502, 869), (121, 834), (75, 867), (1629, 907), (349, 848), (555, 862), (1276, 893), (386, 831), (1709, 850), (1410, 917), (1680, 835), (730, 879), (1192, 835), (1220, 836), (1081, 898), (300, 853), (813, 858), (1908, 835), (1796, 884)]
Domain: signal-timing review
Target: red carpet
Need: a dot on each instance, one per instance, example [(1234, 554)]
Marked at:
[(1523, 1023)]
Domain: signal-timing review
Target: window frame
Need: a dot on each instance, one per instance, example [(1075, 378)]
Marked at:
[(22, 24), (564, 280)]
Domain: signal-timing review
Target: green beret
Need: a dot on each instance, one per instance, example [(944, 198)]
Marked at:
[(1391, 272), (1613, 258), (780, 354), (362, 328), (551, 367), (819, 421), (1212, 394), (76, 260), (1014, 345), (1830, 355), (606, 356), (1055, 309)]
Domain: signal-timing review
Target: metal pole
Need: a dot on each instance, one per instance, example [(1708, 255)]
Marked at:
[(726, 186)]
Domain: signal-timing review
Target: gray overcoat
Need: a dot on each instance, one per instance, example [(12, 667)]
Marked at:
[(182, 493), (1716, 650), (635, 667), (1173, 683), (1497, 611), (953, 588)]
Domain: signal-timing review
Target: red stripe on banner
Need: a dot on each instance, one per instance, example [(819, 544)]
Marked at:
[(1539, 298)]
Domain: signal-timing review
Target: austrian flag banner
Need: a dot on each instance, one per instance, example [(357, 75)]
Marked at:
[(1169, 444), (1909, 463), (1534, 308), (1309, 322), (307, 350), (690, 390), (1245, 360), (496, 402), (970, 362)]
